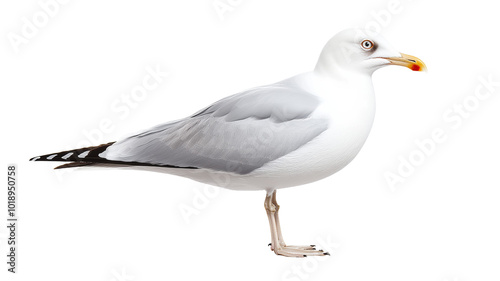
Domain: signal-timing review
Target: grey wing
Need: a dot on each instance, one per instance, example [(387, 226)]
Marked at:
[(237, 134)]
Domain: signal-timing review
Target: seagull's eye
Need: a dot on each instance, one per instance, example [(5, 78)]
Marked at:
[(367, 44)]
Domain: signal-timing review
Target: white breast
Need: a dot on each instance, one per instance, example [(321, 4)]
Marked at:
[(350, 110)]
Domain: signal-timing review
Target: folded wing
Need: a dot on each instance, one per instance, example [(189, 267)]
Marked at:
[(237, 134)]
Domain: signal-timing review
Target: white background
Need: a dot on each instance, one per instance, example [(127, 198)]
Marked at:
[(441, 223)]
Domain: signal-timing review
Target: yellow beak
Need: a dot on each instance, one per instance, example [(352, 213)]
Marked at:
[(411, 62)]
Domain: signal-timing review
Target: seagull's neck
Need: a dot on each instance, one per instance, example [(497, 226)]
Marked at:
[(349, 95), (357, 85)]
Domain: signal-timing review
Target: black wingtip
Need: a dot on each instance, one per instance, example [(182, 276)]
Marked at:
[(90, 155)]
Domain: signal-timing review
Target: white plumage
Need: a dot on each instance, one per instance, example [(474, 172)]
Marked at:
[(293, 132)]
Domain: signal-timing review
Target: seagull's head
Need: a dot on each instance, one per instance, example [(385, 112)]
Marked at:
[(360, 51)]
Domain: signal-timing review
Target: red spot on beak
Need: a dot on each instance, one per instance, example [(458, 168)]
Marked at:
[(415, 67)]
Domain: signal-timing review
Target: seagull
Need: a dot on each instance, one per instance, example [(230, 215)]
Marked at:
[(293, 132)]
